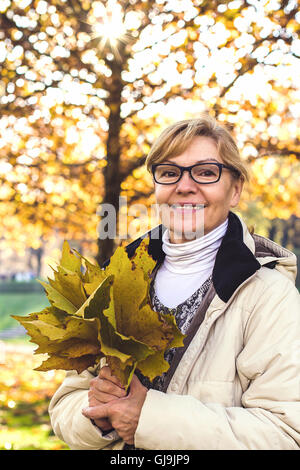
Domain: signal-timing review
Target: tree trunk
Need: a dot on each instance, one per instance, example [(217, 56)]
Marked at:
[(112, 171), (37, 254)]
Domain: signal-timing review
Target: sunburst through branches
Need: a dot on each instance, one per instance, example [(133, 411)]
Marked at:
[(109, 27)]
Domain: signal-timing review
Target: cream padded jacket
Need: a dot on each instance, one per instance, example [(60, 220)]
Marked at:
[(237, 385)]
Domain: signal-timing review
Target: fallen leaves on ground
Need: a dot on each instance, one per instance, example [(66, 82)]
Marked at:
[(24, 399)]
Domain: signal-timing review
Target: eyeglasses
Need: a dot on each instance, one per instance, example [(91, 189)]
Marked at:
[(202, 173)]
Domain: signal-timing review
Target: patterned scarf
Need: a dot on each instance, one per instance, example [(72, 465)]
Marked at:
[(184, 314)]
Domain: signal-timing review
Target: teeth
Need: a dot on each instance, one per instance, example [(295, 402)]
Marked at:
[(188, 206)]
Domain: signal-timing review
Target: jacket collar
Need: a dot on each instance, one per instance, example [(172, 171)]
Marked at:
[(235, 260)]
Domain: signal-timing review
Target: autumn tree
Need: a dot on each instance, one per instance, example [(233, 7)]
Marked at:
[(86, 86)]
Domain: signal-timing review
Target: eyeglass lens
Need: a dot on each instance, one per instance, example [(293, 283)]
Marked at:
[(204, 173)]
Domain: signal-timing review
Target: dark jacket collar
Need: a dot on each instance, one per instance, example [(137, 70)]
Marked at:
[(234, 261)]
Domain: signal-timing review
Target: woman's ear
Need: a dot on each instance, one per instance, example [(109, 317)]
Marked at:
[(237, 187)]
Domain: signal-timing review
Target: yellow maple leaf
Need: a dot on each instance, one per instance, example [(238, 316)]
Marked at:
[(98, 313)]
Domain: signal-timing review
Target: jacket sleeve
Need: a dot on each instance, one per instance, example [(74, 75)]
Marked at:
[(67, 421), (268, 369)]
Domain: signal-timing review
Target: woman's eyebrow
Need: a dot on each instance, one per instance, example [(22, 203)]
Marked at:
[(198, 161)]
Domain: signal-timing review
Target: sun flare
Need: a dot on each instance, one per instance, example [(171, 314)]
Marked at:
[(108, 24)]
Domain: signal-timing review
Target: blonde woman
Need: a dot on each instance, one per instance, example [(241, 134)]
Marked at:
[(235, 384)]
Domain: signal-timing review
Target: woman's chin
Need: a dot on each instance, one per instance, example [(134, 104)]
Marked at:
[(184, 225), (185, 233)]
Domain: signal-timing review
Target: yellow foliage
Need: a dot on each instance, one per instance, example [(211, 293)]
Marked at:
[(103, 313), (58, 99)]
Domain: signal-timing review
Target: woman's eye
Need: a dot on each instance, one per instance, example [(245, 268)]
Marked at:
[(205, 173), (169, 174)]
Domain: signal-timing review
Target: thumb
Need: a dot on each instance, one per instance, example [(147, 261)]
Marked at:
[(96, 412), (135, 384)]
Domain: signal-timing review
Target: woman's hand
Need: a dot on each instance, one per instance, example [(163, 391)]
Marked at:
[(103, 389), (123, 412)]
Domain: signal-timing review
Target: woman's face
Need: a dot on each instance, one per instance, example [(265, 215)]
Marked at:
[(184, 220)]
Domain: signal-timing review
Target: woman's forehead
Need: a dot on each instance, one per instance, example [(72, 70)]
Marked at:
[(200, 149)]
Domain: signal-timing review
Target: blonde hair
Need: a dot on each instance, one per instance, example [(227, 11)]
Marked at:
[(176, 138)]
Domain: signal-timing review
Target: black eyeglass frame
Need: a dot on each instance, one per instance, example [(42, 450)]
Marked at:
[(189, 169)]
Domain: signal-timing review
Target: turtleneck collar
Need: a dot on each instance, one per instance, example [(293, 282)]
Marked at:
[(193, 256)]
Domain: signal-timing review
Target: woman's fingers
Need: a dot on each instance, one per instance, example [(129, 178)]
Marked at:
[(102, 397), (98, 385), (105, 373), (103, 389), (106, 387)]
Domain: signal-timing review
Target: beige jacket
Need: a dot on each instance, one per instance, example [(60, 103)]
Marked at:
[(237, 386)]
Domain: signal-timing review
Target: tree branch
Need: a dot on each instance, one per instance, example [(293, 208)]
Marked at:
[(133, 166), (140, 195), (274, 152)]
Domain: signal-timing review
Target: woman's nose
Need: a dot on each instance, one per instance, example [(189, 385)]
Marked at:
[(186, 183)]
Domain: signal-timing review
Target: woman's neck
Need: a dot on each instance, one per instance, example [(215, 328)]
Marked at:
[(195, 255)]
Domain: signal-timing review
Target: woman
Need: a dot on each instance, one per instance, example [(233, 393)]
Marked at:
[(235, 384)]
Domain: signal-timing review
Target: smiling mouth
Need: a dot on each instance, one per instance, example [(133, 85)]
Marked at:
[(188, 206)]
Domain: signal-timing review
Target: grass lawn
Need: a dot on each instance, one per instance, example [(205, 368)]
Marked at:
[(19, 303), (24, 392), (30, 438)]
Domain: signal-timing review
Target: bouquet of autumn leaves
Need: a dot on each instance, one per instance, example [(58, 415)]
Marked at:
[(96, 313)]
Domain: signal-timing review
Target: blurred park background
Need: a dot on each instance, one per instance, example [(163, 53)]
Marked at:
[(85, 88)]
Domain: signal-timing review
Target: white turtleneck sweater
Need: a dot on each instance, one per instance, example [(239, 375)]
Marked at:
[(186, 266)]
